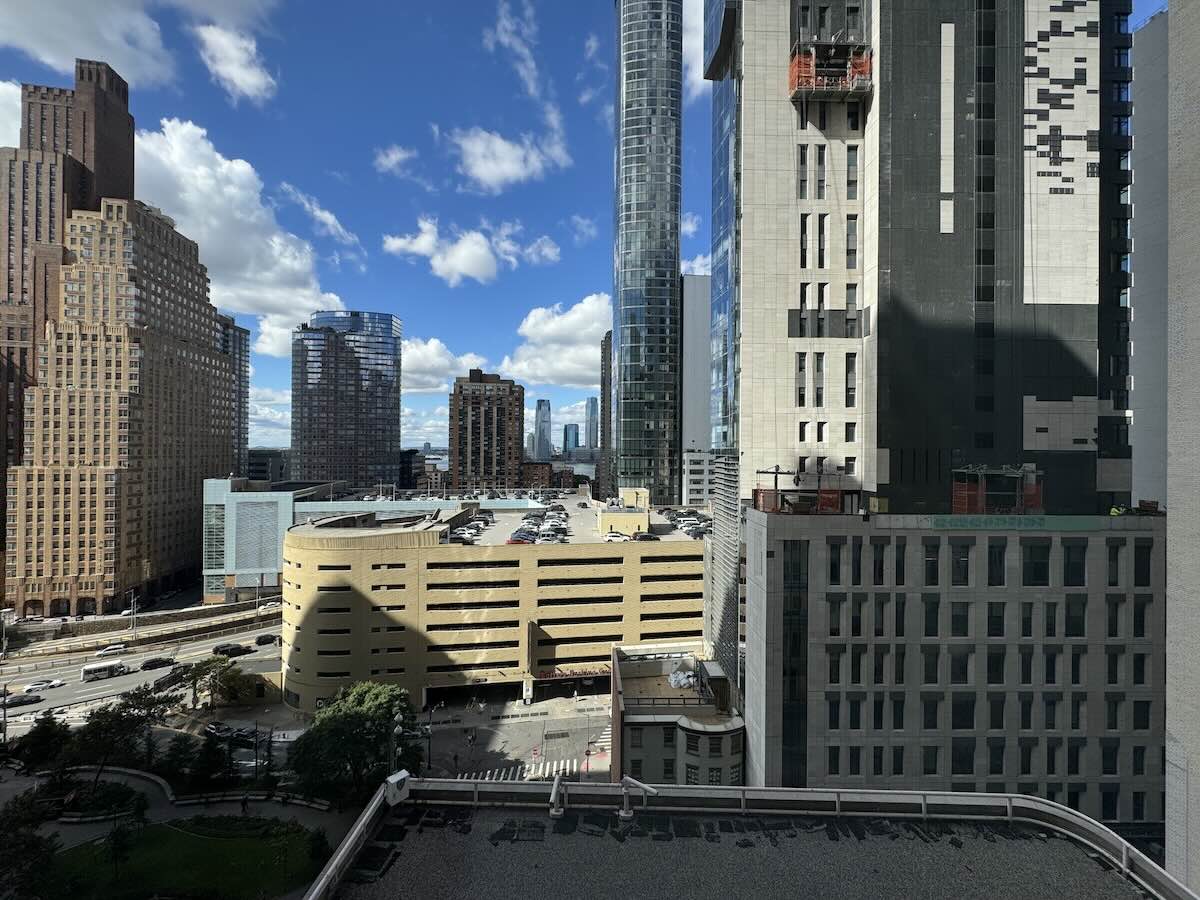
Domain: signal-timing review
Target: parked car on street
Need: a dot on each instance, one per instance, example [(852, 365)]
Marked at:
[(218, 729), (645, 536), (615, 537)]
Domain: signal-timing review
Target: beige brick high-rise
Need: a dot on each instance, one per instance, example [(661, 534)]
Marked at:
[(135, 404)]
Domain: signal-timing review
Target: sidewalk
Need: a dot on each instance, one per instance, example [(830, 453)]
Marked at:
[(335, 823)]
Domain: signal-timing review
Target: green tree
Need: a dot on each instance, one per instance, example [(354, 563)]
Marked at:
[(116, 728), (149, 749), (119, 845), (45, 743), (180, 752), (208, 761), (220, 678), (349, 739), (26, 863), (318, 846)]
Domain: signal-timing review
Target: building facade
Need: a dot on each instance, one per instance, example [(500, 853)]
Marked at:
[(399, 603), (885, 321), (76, 145), (570, 439), (1004, 653), (543, 446), (604, 487), (1150, 232), (699, 478), (1183, 446), (234, 342), (646, 303), (136, 403), (672, 719), (487, 417), (592, 411), (346, 372), (269, 464)]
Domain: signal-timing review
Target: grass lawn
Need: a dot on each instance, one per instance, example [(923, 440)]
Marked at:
[(170, 860)]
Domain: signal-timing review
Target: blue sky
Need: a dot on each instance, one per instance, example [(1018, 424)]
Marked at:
[(452, 166)]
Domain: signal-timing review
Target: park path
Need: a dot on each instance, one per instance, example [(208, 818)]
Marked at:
[(335, 823)]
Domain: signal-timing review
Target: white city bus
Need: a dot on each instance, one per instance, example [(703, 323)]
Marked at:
[(98, 670)]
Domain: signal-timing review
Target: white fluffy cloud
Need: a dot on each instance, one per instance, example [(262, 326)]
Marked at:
[(395, 160), (327, 224), (233, 61), (583, 228), (689, 224), (121, 32), (474, 254), (270, 425), (467, 255), (429, 366), (10, 114), (591, 46), (490, 161), (420, 425), (693, 50), (562, 346), (700, 264), (256, 266), (270, 396)]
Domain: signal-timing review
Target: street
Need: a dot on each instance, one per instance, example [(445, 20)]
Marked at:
[(20, 718), (512, 742)]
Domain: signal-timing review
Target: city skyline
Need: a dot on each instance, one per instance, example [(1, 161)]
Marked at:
[(311, 221)]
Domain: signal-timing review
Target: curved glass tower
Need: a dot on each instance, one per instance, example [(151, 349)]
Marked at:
[(346, 398), (646, 289)]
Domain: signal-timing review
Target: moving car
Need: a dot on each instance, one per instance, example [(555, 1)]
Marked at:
[(615, 537), (231, 650), (645, 536), (518, 540), (264, 639), (111, 650), (156, 662), (36, 686), (21, 700)]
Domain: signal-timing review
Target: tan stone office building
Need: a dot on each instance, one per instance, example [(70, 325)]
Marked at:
[(396, 601), (135, 405)]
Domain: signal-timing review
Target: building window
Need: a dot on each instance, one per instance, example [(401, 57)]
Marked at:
[(1036, 564), (960, 564), (1141, 715), (693, 744), (851, 464), (635, 768), (735, 774), (834, 755), (801, 378), (995, 665), (929, 760), (714, 745), (1074, 564), (1114, 565), (851, 242), (851, 380), (714, 775), (822, 235), (693, 774), (668, 771), (1077, 616), (635, 737), (668, 736), (1140, 605), (1141, 563), (835, 562), (852, 167), (801, 171), (929, 655), (996, 713), (851, 437), (897, 760), (932, 552), (820, 187), (819, 380), (852, 310), (804, 240), (959, 618)]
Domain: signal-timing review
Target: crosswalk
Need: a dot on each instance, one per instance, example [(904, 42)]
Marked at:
[(525, 771), (604, 742)]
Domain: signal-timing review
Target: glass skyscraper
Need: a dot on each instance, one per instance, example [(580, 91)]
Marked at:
[(346, 398), (543, 448), (646, 300)]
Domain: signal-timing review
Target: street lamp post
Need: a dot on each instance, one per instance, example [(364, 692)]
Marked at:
[(429, 734)]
